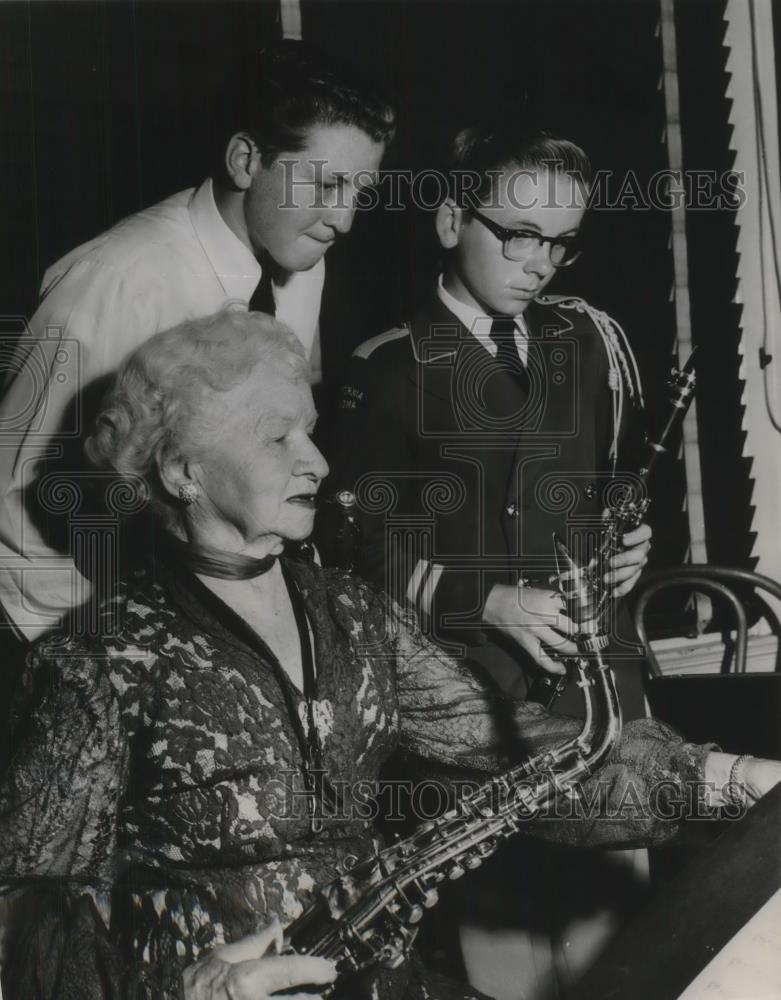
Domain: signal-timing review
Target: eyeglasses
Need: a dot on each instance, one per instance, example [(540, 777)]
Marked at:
[(518, 244)]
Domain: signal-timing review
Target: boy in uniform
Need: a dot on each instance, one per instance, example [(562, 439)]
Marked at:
[(471, 434)]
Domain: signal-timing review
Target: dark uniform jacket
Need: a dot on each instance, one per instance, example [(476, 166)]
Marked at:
[(463, 472)]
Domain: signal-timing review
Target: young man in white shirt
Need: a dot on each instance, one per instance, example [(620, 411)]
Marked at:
[(255, 235)]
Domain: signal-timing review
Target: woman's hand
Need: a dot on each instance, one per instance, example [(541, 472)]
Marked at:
[(533, 618), (753, 775), (626, 566), (245, 970), (759, 776)]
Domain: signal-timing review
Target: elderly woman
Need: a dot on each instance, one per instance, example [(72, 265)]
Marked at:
[(153, 808)]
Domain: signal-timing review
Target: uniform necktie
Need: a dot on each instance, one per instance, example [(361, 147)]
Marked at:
[(503, 335), (263, 297)]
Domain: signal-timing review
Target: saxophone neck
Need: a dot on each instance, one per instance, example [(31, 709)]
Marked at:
[(602, 727)]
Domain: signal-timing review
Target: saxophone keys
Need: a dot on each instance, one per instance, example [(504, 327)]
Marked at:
[(430, 898), (455, 872), (474, 862), (392, 955), (591, 643), (415, 914)]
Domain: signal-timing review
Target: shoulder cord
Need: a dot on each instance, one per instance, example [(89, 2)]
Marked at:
[(620, 358)]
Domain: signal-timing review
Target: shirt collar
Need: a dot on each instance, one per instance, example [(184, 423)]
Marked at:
[(233, 262), (478, 323)]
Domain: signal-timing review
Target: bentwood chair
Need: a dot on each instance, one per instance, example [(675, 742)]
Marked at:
[(737, 709)]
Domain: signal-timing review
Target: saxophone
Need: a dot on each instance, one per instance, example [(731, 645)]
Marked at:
[(369, 915)]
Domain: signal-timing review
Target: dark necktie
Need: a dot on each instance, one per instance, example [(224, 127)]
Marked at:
[(503, 335), (263, 297)]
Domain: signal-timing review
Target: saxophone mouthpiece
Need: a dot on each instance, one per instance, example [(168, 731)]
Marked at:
[(343, 498), (341, 534), (566, 567), (577, 590)]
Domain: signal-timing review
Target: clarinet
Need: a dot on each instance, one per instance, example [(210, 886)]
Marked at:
[(626, 512)]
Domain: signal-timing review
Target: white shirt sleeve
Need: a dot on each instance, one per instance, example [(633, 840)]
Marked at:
[(316, 358), (298, 306), (88, 321)]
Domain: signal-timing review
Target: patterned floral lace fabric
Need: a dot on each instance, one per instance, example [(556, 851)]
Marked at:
[(156, 802)]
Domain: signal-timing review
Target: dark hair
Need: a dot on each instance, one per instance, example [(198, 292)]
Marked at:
[(292, 86), (476, 154)]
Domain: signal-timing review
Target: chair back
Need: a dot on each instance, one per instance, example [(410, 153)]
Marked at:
[(738, 710)]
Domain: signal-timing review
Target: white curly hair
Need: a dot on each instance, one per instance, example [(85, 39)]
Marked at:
[(168, 397)]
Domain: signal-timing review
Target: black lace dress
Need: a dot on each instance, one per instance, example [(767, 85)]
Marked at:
[(155, 806)]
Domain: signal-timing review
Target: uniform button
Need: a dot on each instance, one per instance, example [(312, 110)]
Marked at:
[(513, 510)]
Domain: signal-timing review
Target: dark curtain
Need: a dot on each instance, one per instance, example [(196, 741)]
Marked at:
[(108, 107)]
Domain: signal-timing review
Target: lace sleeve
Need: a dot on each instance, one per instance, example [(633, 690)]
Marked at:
[(652, 781), (450, 719), (60, 795), (451, 715)]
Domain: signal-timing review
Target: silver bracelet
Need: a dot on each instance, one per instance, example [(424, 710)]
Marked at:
[(734, 792)]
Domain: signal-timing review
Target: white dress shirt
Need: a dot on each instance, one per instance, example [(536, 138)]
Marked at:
[(479, 323), (174, 261)]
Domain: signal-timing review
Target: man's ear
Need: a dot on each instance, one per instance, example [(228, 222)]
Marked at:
[(175, 471), (242, 160), (449, 220)]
